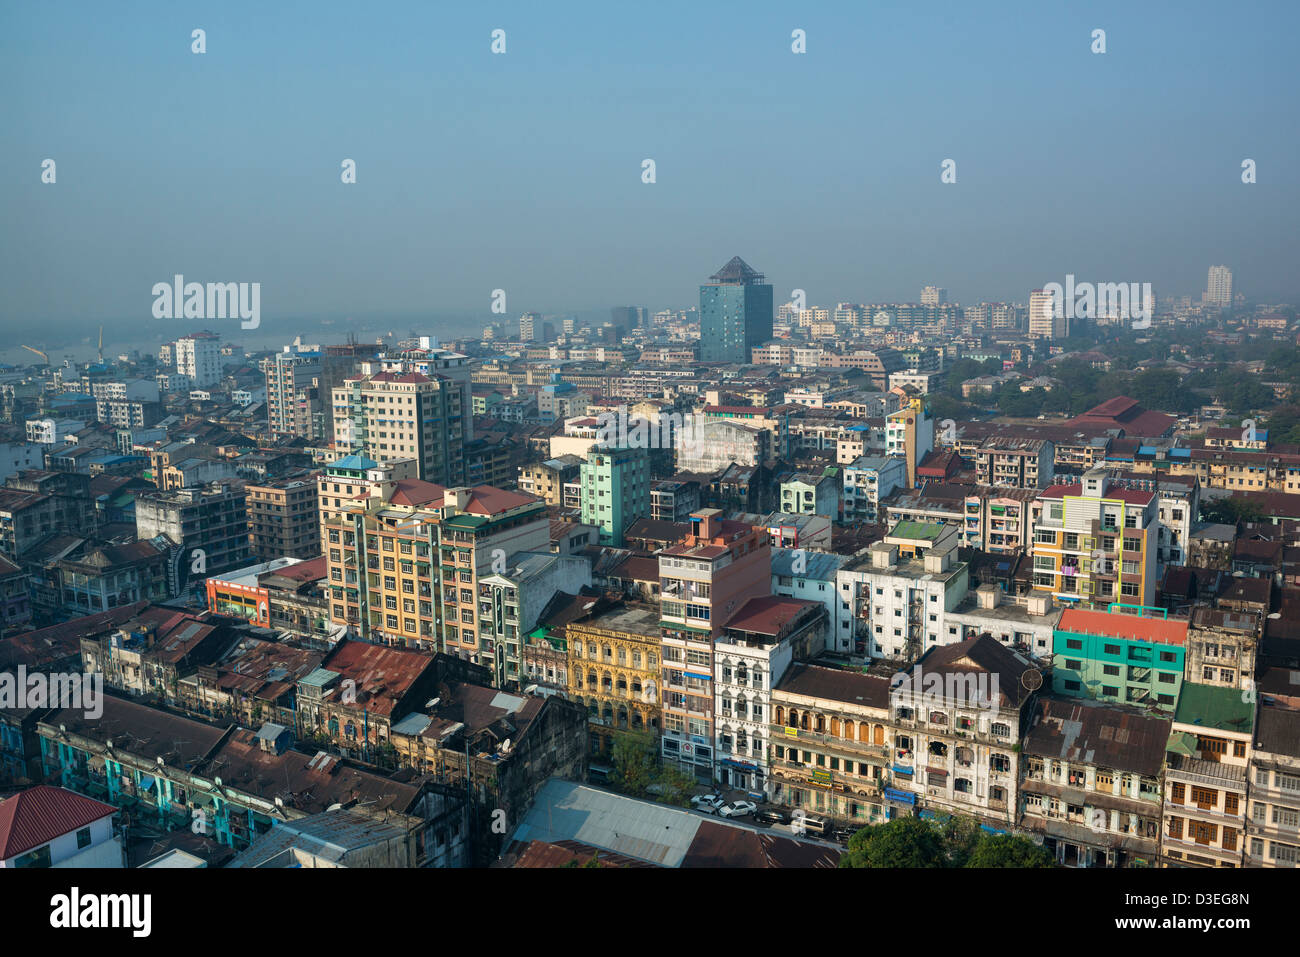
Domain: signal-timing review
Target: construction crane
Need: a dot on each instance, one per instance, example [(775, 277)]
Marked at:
[(39, 353)]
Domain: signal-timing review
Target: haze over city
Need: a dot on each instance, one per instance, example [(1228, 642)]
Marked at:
[(523, 171)]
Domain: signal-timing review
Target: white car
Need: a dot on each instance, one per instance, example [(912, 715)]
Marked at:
[(706, 802), (737, 808)]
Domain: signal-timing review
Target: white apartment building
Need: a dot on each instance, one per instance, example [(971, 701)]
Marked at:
[(198, 357), (1218, 286), (1043, 321), (898, 605), (749, 659), (867, 480)]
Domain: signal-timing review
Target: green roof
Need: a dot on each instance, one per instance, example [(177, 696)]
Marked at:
[(1182, 742), (466, 521), (1214, 707), (924, 530)]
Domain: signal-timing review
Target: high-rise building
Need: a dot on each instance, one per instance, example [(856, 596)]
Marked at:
[(1003, 315), (405, 563), (630, 317), (615, 490), (735, 313), (934, 296), (290, 397), (210, 523), (283, 518), (1096, 542), (418, 407), (706, 580), (530, 325), (1218, 287), (198, 356), (1047, 317)]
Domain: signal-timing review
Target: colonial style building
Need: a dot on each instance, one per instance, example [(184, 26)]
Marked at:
[(1208, 756), (957, 720), (1091, 784), (831, 744)]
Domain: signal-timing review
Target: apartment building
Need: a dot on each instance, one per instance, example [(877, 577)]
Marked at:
[(1095, 542), (424, 415), (749, 659), (805, 494), (1092, 782), (867, 480), (1206, 765), (900, 590), (198, 358), (1222, 647), (615, 490), (353, 479), (673, 501), (511, 600), (210, 523), (703, 582), (997, 519), (405, 565), (614, 669), (1120, 658), (957, 720), (1273, 825), (284, 518), (832, 744), (909, 432), (547, 479), (1019, 463)]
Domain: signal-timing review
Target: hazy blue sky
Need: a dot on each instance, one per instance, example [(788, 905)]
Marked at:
[(522, 171)]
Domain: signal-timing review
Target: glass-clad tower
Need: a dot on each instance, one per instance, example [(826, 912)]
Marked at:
[(735, 313)]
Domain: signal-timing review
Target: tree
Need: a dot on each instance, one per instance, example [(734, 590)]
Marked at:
[(1230, 511), (903, 842), (1008, 850), (633, 760), (675, 785), (962, 835)]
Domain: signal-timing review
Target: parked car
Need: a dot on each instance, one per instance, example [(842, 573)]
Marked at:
[(737, 808), (772, 815), (843, 832), (812, 826), (707, 802)]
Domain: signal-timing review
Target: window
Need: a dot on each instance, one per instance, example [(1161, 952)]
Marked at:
[(83, 838)]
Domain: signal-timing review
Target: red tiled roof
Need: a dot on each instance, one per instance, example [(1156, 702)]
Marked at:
[(487, 500), (417, 492), (1123, 626), (40, 814)]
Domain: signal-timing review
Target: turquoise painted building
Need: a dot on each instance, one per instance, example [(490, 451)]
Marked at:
[(1125, 658), (615, 490)]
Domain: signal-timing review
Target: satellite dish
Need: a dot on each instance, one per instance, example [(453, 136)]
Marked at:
[(1031, 679), (505, 745)]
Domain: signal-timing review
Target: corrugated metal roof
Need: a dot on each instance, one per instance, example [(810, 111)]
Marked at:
[(640, 829)]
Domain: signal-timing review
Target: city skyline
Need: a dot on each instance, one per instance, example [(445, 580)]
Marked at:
[(478, 171)]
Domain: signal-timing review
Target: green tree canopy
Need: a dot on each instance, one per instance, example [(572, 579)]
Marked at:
[(903, 842), (1009, 850)]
